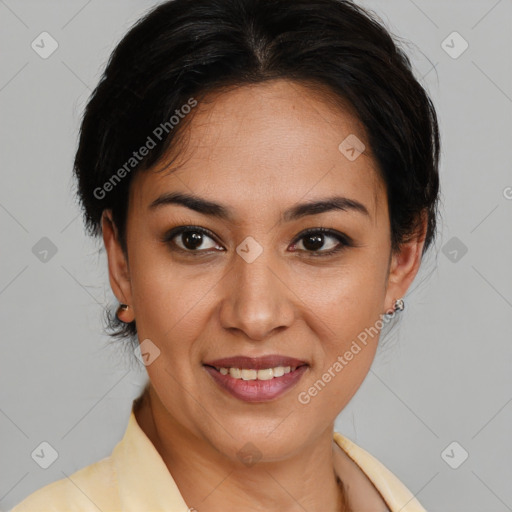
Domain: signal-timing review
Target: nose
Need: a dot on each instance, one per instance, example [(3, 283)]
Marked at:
[(258, 302)]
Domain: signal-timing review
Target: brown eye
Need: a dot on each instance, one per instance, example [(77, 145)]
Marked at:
[(191, 239), (314, 239)]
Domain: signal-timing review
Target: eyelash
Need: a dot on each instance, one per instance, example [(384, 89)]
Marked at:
[(344, 241)]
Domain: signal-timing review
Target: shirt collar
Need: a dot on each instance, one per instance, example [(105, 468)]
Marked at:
[(392, 490), (145, 482)]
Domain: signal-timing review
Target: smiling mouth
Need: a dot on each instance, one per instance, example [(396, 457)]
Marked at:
[(256, 379), (256, 374), (257, 384)]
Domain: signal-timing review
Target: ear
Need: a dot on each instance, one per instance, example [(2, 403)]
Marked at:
[(118, 270), (404, 265)]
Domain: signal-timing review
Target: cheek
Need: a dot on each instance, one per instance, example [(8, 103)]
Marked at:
[(350, 298), (169, 298), (347, 319)]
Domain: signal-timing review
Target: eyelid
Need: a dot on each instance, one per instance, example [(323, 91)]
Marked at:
[(327, 231), (178, 230)]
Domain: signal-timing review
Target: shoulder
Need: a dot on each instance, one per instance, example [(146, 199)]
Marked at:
[(396, 495), (91, 488)]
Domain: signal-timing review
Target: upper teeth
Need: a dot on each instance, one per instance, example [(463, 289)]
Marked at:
[(264, 374)]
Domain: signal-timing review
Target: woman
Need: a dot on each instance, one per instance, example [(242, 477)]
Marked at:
[(264, 174)]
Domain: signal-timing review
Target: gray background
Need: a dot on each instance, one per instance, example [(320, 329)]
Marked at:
[(441, 375)]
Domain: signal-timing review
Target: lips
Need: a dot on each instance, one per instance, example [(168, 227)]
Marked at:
[(255, 363), (256, 390), (283, 374)]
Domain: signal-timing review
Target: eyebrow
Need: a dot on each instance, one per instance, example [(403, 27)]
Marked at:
[(222, 212)]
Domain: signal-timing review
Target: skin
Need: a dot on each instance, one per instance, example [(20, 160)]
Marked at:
[(259, 150)]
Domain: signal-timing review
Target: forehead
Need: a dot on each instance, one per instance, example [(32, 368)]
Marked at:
[(267, 145)]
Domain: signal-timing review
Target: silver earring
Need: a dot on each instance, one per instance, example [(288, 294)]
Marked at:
[(399, 305)]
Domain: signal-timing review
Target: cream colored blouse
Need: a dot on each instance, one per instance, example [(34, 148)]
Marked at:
[(134, 478)]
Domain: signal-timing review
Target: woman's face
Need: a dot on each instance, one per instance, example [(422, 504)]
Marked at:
[(256, 284)]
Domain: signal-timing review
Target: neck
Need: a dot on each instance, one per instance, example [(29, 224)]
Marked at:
[(210, 481)]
